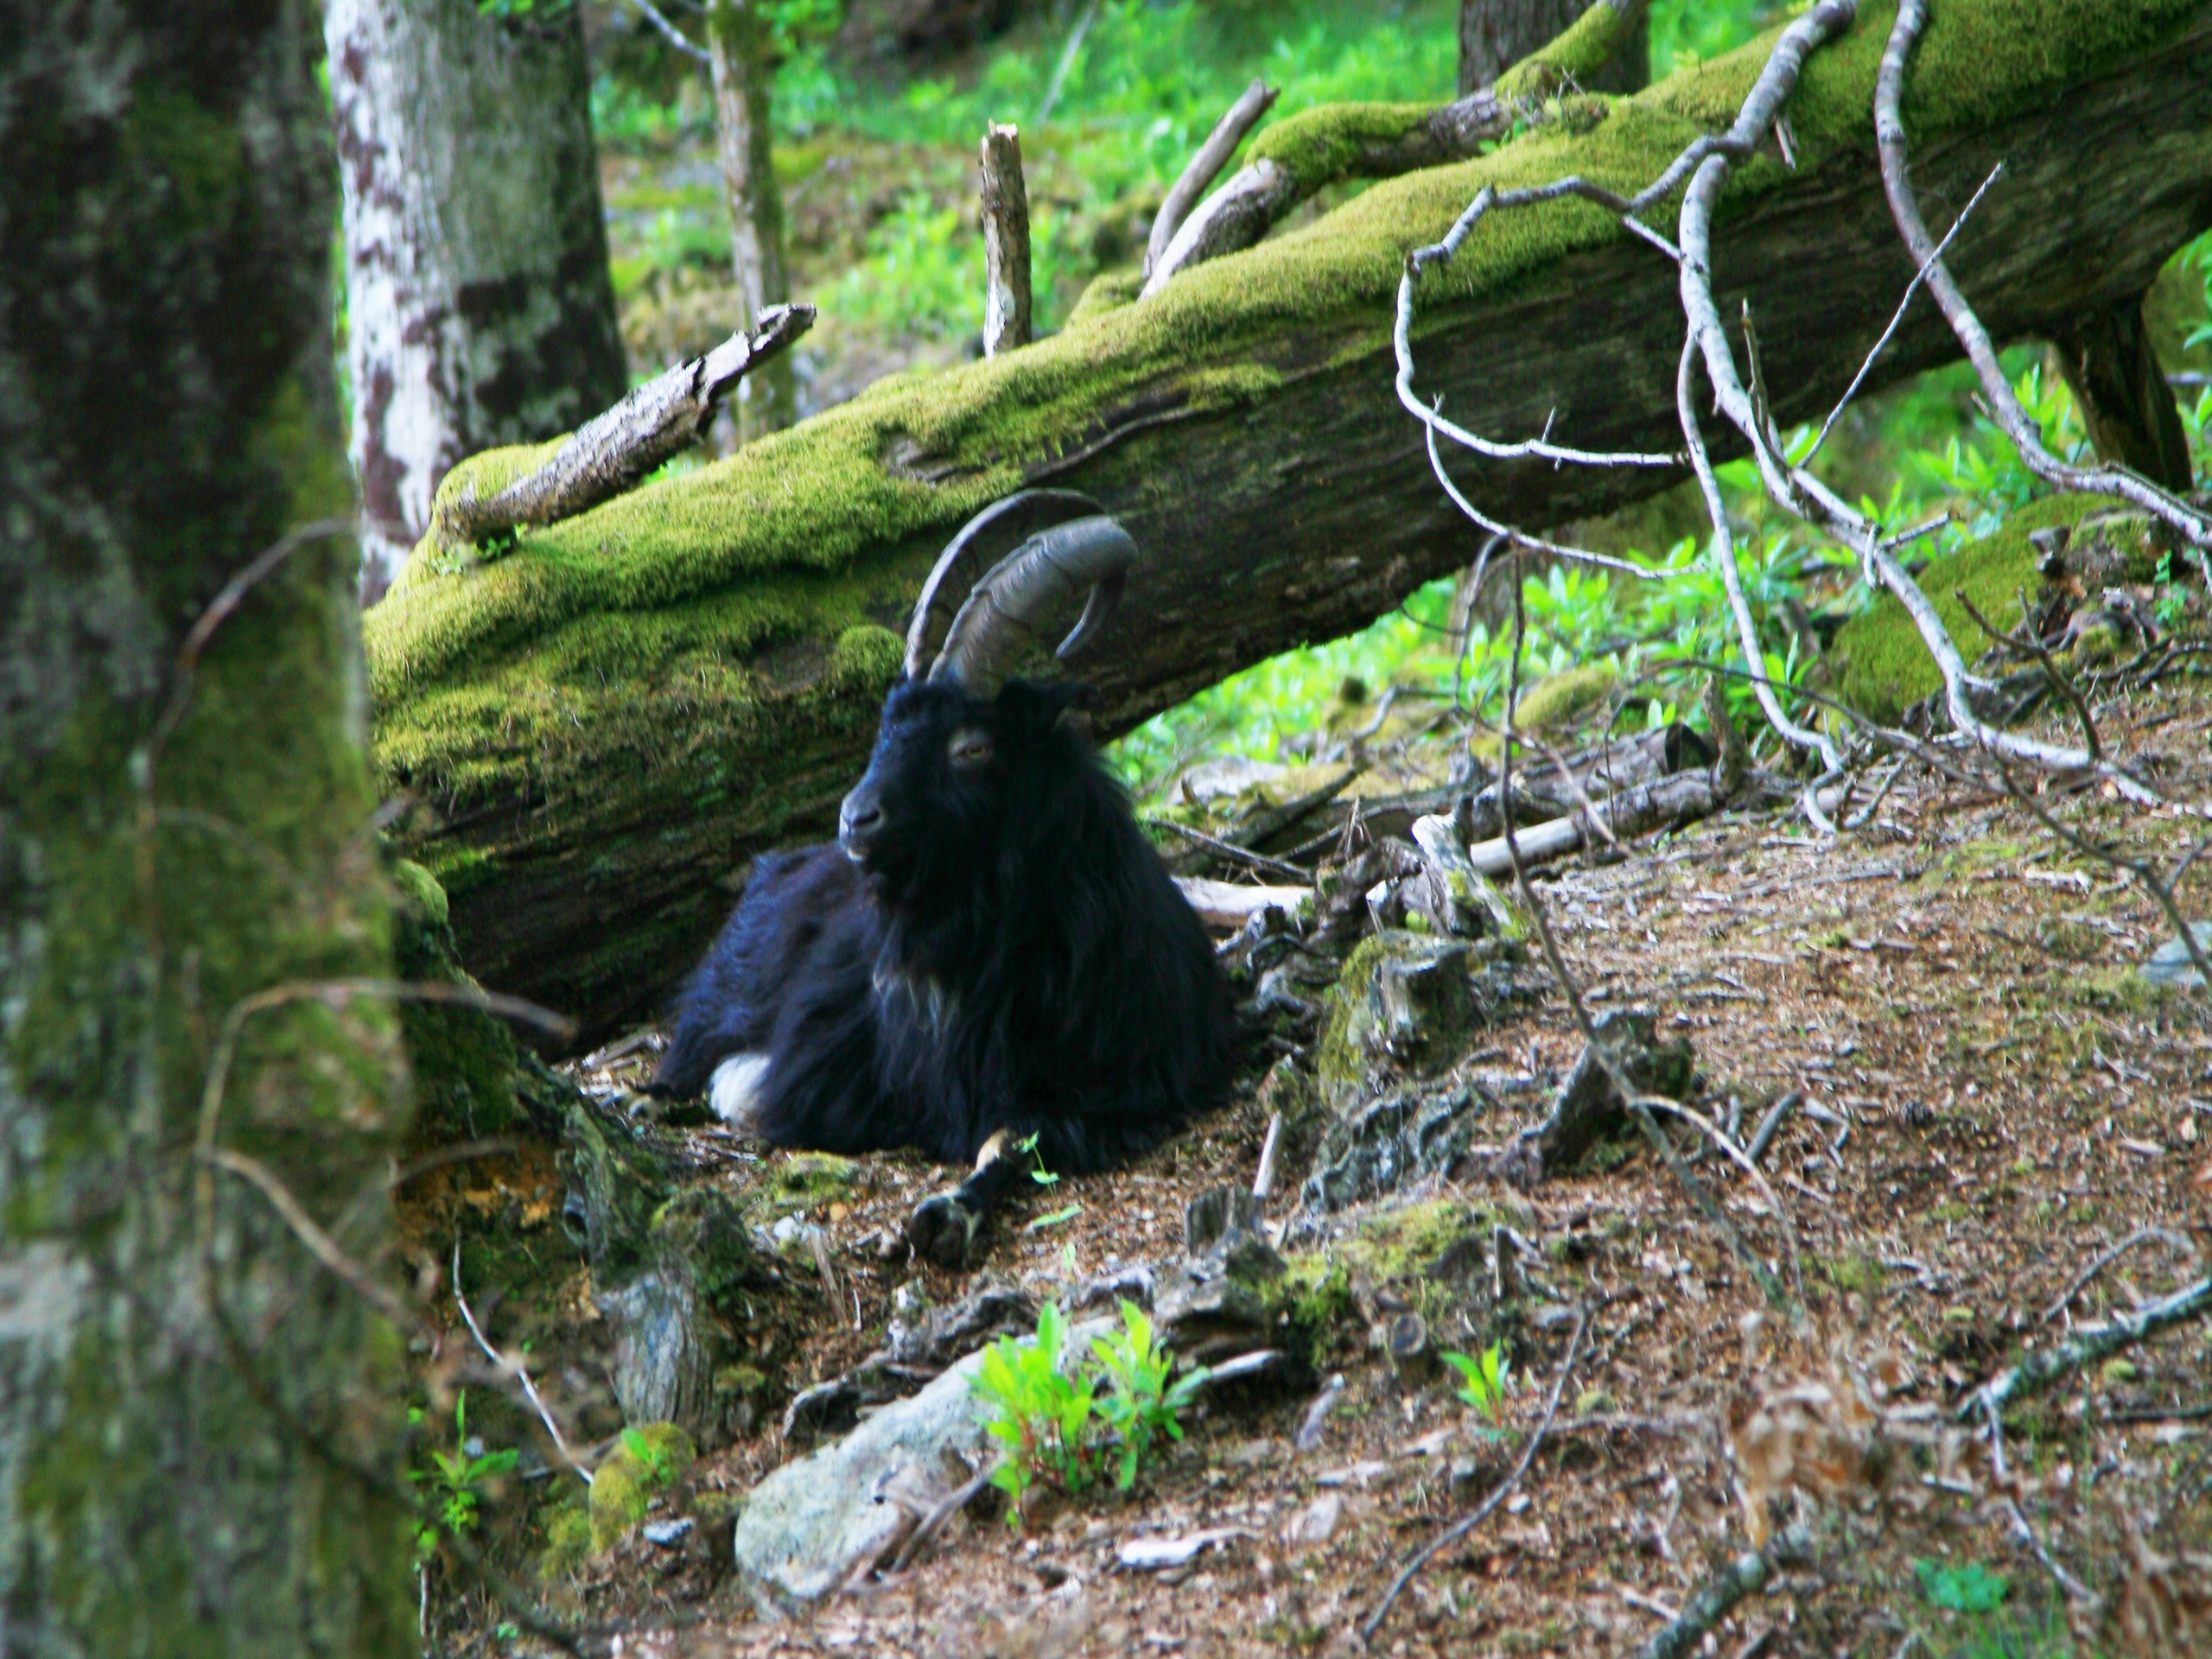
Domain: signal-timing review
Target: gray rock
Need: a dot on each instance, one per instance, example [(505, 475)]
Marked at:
[(1588, 1107), (810, 1525), (2170, 964), (667, 1534)]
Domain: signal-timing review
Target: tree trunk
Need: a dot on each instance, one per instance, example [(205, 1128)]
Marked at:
[(1494, 35), (479, 307), (185, 1394), (743, 45), (603, 728), (2125, 403)]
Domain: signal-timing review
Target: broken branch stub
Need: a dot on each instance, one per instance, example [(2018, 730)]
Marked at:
[(613, 451), (1005, 242)]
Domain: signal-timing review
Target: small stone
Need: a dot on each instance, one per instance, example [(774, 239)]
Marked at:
[(667, 1534), (2170, 964)]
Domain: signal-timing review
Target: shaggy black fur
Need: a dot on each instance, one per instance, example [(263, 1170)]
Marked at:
[(992, 944)]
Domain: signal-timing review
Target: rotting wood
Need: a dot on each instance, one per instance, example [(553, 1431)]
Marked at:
[(1224, 904), (609, 454)]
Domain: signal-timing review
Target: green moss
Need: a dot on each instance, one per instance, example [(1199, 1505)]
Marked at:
[(648, 1458), (1878, 666), (1571, 60), (1862, 1275), (1557, 700), (567, 1526), (1328, 141), (1108, 292)]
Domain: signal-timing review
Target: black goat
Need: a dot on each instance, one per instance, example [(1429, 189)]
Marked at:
[(991, 951)]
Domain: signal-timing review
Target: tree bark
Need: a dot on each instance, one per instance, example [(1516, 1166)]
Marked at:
[(591, 831), (2125, 403), (1005, 242), (743, 43), (187, 1398), (1494, 35), (479, 307)]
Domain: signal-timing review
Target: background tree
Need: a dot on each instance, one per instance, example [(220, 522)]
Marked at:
[(182, 804), (1494, 34), (479, 306), (742, 42)]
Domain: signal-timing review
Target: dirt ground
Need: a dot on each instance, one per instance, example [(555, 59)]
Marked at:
[(1989, 1096)]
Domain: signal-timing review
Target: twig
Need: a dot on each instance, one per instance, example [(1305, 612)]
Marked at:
[(1745, 1575), (1706, 1204), (1005, 242), (1205, 166), (669, 31), (1736, 1155), (1066, 63), (950, 1506), (1919, 275), (2027, 644), (2045, 1366), (2106, 1258), (507, 1363), (1461, 1527), (1756, 1146), (1229, 849), (319, 1243)]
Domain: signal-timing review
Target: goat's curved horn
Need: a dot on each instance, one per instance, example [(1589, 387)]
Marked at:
[(1040, 579), (971, 609), (969, 556)]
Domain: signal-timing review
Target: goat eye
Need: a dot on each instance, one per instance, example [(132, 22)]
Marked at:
[(971, 748)]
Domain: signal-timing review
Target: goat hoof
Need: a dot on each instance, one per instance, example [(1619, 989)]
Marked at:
[(944, 1231)]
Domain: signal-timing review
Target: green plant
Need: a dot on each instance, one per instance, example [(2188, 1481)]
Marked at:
[(1141, 1404), (455, 1481), (658, 1462), (1055, 1426), (1041, 1175), (1482, 1379), (1039, 1415), (1971, 1588)]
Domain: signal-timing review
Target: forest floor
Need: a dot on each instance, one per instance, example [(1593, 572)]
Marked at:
[(1989, 1096)]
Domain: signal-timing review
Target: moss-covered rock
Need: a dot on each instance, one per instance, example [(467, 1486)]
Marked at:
[(649, 1459), (464, 1061), (1405, 1004), (1556, 702)]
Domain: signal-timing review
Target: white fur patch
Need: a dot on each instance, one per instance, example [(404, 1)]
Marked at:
[(734, 1091)]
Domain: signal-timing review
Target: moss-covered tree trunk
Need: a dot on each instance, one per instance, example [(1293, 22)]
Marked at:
[(479, 307), (184, 1390), (603, 727)]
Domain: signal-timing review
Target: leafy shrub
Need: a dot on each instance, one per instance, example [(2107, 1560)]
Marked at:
[(1140, 1403), (1971, 1588), (1056, 1427)]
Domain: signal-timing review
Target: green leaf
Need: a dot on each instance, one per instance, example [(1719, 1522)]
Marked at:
[(1053, 1218)]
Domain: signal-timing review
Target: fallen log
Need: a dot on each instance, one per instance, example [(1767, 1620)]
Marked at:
[(600, 728)]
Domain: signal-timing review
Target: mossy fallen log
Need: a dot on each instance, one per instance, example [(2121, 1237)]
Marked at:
[(603, 727)]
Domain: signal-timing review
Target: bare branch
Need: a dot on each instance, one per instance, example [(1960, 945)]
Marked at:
[(2045, 1366), (1746, 1575), (1005, 242), (2026, 435), (613, 451), (1205, 166)]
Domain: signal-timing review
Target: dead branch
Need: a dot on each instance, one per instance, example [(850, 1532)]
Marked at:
[(1904, 208), (2047, 1365), (2106, 1258), (1260, 193), (1205, 166), (514, 1368), (613, 451), (2025, 643), (319, 1244), (1223, 904), (669, 31), (1498, 1494), (1231, 851), (1746, 1575), (1005, 242)]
